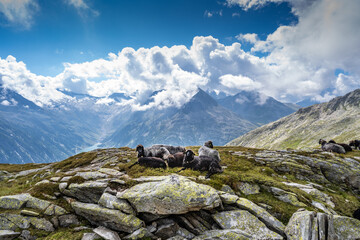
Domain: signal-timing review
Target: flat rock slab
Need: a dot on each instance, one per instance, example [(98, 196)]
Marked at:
[(106, 233), (89, 192), (14, 201), (245, 221), (270, 221), (91, 175), (346, 227), (173, 195), (8, 234), (112, 202), (224, 235), (113, 219)]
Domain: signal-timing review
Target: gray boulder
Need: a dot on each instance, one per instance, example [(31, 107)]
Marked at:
[(113, 219), (173, 195), (89, 192), (106, 234), (223, 235), (8, 234), (245, 221), (112, 202)]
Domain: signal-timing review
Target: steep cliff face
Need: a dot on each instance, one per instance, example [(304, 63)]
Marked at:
[(337, 119), (261, 194)]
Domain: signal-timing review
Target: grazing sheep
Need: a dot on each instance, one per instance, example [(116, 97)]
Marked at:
[(331, 147), (209, 144), (344, 145), (153, 162), (207, 150), (176, 160), (152, 151), (171, 149), (356, 214), (355, 144), (201, 163)]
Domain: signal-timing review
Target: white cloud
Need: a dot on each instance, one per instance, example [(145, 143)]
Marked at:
[(249, 37), (301, 61), (210, 14), (19, 12), (83, 8)]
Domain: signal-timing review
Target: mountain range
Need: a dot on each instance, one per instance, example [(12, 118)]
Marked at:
[(30, 133), (337, 119)]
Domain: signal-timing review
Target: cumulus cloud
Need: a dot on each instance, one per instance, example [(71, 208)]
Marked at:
[(19, 12), (83, 8), (301, 60), (308, 53)]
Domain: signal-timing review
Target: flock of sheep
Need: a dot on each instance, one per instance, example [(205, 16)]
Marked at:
[(333, 146), (163, 156)]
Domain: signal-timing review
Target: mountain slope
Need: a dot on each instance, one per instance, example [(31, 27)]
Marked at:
[(256, 107), (199, 120), (337, 119)]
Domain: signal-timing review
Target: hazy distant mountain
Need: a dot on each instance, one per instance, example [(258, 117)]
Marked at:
[(256, 107), (337, 119), (307, 102), (199, 120)]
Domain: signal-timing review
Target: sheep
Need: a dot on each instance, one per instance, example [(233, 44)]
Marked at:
[(356, 214), (331, 147), (344, 145), (207, 150), (355, 144), (152, 151), (171, 149), (175, 160), (201, 163), (153, 162)]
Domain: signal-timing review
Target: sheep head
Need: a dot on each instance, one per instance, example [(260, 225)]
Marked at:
[(209, 144), (189, 156), (140, 150)]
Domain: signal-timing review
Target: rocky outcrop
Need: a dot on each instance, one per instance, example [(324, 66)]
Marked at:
[(310, 225), (174, 195), (113, 219), (245, 221)]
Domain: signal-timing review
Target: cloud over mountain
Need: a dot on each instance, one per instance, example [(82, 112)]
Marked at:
[(317, 57)]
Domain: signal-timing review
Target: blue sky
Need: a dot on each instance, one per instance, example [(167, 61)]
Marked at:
[(288, 49), (62, 33)]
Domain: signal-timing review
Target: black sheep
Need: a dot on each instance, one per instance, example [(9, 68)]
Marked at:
[(176, 160), (153, 151), (209, 144), (171, 149), (344, 145), (355, 144), (153, 162), (202, 163), (331, 147), (356, 214)]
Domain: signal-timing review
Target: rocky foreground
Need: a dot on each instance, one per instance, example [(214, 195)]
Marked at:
[(94, 196)]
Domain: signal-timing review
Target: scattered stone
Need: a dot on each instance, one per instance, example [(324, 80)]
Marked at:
[(62, 186), (110, 171), (90, 236), (48, 196), (118, 181), (228, 198), (287, 197), (227, 189), (36, 203), (141, 233), (106, 233), (248, 188), (81, 228), (91, 175), (55, 210), (166, 228), (55, 179), (185, 233), (173, 195), (66, 179), (271, 222), (88, 192), (29, 213), (45, 181), (112, 202), (26, 235), (224, 235), (8, 234), (150, 179), (68, 220), (113, 219), (322, 207), (41, 224), (246, 222)]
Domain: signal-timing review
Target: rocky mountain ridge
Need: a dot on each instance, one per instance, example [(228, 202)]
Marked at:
[(337, 119), (262, 194)]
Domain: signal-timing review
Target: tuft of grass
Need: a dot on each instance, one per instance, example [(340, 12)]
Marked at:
[(14, 168), (44, 188), (60, 234), (73, 162), (76, 179)]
